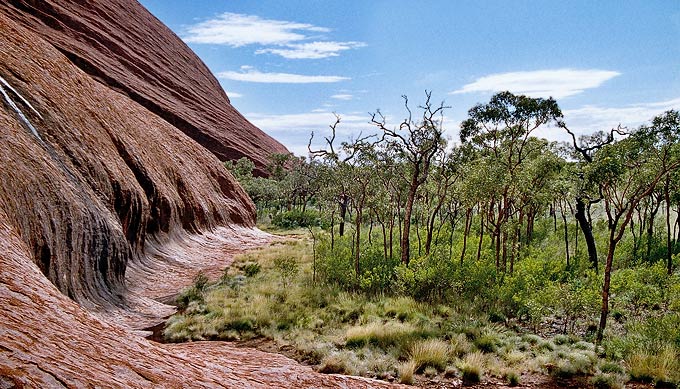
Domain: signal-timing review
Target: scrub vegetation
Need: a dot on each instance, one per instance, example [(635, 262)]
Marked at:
[(502, 257)]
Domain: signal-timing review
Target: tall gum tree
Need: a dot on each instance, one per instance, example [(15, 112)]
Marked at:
[(588, 188), (630, 170), (501, 131), (417, 142)]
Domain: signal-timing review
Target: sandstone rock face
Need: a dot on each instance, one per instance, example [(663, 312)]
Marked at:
[(122, 45), (101, 175), (104, 206), (47, 341)]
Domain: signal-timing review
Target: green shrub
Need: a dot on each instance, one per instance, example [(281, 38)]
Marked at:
[(487, 343), (561, 339), (406, 372), (251, 269), (333, 364), (611, 367), (608, 381), (662, 367), (296, 218), (287, 268), (567, 365), (430, 372), (194, 293), (379, 334)]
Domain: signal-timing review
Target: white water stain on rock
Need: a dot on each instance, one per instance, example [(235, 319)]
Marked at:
[(4, 84)]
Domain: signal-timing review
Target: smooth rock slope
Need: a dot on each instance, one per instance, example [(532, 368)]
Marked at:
[(105, 204), (122, 45)]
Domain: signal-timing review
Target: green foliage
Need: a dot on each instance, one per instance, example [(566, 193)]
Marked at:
[(606, 380), (287, 268), (661, 369), (511, 187), (379, 334), (472, 368), (513, 378), (251, 269), (194, 293), (296, 218)]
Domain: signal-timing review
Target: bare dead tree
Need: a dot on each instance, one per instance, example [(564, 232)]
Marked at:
[(417, 142)]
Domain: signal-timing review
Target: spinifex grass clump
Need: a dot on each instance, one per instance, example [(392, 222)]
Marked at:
[(430, 353)]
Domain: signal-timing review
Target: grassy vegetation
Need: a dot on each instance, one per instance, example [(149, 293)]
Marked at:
[(271, 294)]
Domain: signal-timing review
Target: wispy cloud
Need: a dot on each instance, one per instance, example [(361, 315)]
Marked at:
[(342, 96), (309, 121), (294, 130), (593, 117), (312, 50), (557, 83), (289, 39), (238, 30), (250, 74), (233, 95)]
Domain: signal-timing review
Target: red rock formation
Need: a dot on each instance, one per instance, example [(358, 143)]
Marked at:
[(101, 200), (122, 45), (47, 341), (103, 176)]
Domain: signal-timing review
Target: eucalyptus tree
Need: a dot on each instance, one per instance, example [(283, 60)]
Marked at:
[(630, 170), (361, 187), (501, 130), (535, 188), (386, 203), (666, 128), (417, 142), (446, 172), (588, 191), (339, 162)]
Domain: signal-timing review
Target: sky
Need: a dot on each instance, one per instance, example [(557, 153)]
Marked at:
[(289, 66)]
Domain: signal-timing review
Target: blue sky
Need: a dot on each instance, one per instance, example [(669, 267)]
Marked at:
[(288, 65)]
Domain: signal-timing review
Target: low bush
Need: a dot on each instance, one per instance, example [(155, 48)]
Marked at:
[(663, 367), (430, 353), (513, 378), (333, 364), (296, 218), (608, 381)]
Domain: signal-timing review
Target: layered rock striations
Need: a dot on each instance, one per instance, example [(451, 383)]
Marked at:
[(47, 341), (105, 203), (100, 175), (122, 45)]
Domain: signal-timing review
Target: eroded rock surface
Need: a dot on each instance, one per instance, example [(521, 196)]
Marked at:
[(48, 341), (105, 205), (122, 45)]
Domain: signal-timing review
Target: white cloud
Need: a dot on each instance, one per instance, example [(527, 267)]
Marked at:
[(602, 118), (312, 50), (289, 39), (591, 118), (309, 121), (342, 96), (237, 30), (557, 83), (250, 74), (233, 95), (294, 130)]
